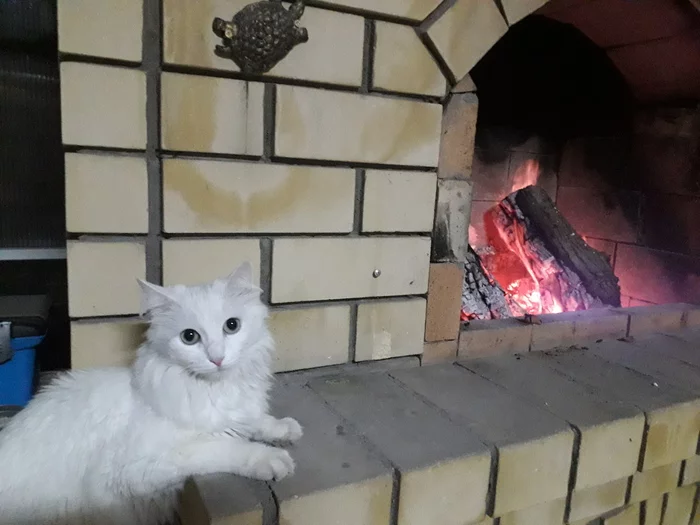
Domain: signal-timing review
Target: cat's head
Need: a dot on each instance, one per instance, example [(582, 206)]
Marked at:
[(210, 328)]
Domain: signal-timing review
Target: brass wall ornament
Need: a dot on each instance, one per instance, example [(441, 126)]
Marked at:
[(260, 35)]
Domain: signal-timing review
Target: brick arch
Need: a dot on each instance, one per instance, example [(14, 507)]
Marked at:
[(458, 33), (461, 32)]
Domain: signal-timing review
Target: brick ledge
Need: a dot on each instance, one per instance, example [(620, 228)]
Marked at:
[(547, 436)]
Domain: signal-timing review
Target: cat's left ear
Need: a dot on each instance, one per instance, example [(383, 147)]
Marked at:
[(242, 277), (152, 297)]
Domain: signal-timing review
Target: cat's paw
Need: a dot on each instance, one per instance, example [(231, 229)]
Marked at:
[(291, 430), (272, 464)]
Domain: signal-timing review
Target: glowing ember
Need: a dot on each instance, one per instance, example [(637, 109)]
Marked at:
[(517, 262)]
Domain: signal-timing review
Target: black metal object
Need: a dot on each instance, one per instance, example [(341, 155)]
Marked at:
[(260, 35)]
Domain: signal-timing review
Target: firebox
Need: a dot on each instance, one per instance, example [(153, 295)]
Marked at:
[(583, 197)]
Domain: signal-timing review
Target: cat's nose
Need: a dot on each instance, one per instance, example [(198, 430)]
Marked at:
[(217, 362)]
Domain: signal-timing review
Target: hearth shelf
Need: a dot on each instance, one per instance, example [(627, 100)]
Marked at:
[(594, 432)]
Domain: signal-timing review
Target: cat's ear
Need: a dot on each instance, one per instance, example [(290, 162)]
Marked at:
[(152, 297), (242, 278)]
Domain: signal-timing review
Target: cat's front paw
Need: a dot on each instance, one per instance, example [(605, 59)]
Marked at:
[(291, 430), (273, 464)]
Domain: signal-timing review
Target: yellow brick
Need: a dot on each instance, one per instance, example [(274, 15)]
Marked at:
[(102, 278), (595, 501), (442, 321), (310, 337), (105, 343), (458, 135), (353, 487), (389, 329), (691, 473), (672, 435), (187, 35), (106, 194), (516, 10), (533, 472), (198, 261), (549, 513), (333, 53), (109, 28), (556, 330), (466, 32), (313, 124), (654, 482), (657, 318), (368, 503), (498, 336), (401, 8), (205, 196), (439, 352), (609, 451), (653, 510), (629, 516), (103, 106), (211, 115), (398, 201), (310, 269), (420, 490), (593, 325), (444, 467), (403, 64), (679, 506)]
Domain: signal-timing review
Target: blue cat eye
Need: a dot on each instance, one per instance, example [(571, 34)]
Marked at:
[(232, 325), (189, 336)]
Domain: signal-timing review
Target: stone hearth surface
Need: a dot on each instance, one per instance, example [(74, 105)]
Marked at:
[(602, 433)]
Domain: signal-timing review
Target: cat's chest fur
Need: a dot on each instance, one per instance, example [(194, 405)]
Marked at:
[(201, 406)]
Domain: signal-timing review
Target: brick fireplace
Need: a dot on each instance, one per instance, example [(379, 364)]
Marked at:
[(349, 160), (626, 177), (353, 176)]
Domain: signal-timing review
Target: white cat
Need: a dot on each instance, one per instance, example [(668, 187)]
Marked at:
[(114, 446)]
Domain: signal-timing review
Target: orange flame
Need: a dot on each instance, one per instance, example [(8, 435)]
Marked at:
[(533, 280), (526, 175)]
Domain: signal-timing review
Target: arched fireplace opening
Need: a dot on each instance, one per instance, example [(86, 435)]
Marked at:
[(555, 112)]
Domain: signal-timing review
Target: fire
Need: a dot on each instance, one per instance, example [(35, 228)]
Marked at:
[(473, 235), (526, 175), (532, 279)]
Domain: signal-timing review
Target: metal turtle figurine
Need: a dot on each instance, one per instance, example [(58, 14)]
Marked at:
[(260, 35)]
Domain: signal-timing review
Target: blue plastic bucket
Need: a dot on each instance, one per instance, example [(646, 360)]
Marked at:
[(17, 375)]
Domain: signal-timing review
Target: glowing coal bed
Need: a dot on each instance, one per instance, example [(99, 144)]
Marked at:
[(532, 261)]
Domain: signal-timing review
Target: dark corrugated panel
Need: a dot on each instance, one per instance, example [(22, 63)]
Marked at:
[(27, 21), (31, 160)]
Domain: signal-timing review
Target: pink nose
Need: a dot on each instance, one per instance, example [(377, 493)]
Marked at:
[(217, 362)]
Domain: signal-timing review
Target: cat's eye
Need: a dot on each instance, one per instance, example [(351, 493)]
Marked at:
[(232, 325), (189, 336)]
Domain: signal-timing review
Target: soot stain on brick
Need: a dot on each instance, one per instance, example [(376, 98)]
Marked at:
[(214, 205), (441, 239)]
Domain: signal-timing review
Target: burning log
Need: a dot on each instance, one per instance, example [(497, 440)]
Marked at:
[(566, 273), (482, 297)]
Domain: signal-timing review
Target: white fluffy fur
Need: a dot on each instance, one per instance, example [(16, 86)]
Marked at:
[(114, 446)]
